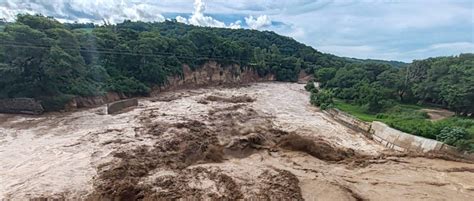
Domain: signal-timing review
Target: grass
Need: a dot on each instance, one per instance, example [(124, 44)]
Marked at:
[(408, 118), (355, 110), (361, 113)]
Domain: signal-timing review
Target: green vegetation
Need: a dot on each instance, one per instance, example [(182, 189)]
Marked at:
[(396, 64), (51, 61), (446, 82), (376, 91), (457, 131), (322, 98), (3, 23)]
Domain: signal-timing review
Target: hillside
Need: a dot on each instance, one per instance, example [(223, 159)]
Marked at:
[(396, 96), (396, 64), (42, 58)]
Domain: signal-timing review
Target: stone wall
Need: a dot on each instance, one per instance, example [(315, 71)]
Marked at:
[(21, 106), (115, 107), (85, 102)]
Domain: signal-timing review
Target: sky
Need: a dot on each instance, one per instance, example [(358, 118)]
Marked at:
[(401, 30)]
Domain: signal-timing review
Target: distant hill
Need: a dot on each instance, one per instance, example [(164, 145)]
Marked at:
[(43, 58), (51, 61), (396, 64)]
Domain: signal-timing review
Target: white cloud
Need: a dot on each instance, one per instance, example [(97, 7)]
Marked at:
[(199, 19), (82, 10), (384, 29), (181, 19), (235, 25), (259, 22)]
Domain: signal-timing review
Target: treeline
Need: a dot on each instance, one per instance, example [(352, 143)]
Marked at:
[(397, 95), (51, 61), (443, 81)]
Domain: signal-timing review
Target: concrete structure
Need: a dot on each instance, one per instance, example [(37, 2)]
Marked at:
[(115, 107), (393, 138), (401, 141), (21, 106), (349, 120)]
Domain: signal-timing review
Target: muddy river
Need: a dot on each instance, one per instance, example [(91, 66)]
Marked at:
[(262, 141)]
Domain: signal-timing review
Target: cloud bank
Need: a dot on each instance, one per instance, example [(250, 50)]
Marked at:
[(259, 22), (380, 29), (199, 19), (96, 11)]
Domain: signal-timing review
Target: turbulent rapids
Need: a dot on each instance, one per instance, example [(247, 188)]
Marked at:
[(261, 141)]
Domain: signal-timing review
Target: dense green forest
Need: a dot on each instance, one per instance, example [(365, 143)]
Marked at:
[(51, 61), (443, 81), (377, 91)]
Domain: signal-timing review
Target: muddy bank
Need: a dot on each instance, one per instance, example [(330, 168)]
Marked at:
[(212, 74), (270, 144)]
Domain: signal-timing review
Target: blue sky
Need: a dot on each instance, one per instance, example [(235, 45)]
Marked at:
[(380, 29)]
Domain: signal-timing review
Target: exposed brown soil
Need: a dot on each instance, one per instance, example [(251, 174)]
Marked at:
[(438, 114)]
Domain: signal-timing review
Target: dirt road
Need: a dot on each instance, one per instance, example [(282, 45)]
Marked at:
[(260, 141)]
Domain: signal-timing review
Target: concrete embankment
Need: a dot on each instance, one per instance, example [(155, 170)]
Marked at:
[(21, 106), (393, 138), (401, 141), (115, 107)]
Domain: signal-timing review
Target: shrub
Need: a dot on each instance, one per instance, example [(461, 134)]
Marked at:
[(451, 135), (322, 99), (130, 86), (310, 86), (465, 145)]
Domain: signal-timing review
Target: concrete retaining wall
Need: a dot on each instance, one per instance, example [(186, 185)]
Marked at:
[(118, 106), (401, 141), (21, 106), (390, 137), (348, 120)]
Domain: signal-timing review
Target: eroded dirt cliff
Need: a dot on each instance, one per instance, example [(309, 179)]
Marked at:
[(212, 74), (209, 74), (262, 141)]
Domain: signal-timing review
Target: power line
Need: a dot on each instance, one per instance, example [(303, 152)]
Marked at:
[(163, 55), (10, 43), (129, 53)]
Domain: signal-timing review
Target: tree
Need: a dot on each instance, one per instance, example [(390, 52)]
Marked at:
[(373, 95), (393, 80), (322, 99), (323, 75), (451, 135)]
